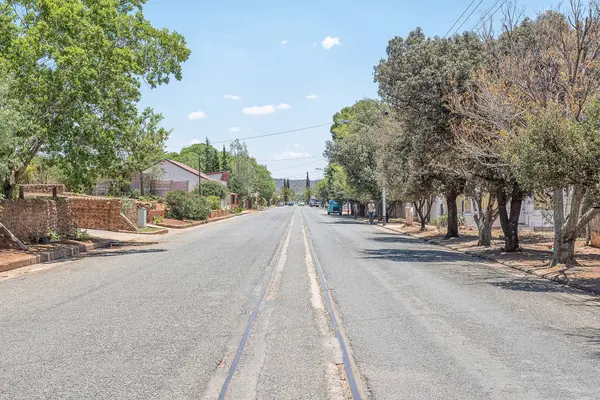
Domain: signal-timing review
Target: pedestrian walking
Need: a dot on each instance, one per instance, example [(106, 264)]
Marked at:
[(371, 212)]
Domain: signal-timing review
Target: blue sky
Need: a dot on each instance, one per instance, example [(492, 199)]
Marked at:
[(268, 56)]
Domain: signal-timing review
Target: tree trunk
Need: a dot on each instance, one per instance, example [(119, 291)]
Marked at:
[(452, 214), (141, 182), (419, 207), (510, 221), (570, 221)]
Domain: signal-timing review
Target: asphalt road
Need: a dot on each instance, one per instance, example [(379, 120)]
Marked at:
[(169, 321)]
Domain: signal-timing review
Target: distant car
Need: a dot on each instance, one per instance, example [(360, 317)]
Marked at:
[(314, 203), (334, 207), (291, 203), (281, 203), (301, 203)]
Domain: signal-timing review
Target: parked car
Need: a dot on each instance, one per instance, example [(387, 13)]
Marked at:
[(291, 203), (334, 207), (301, 203), (314, 203)]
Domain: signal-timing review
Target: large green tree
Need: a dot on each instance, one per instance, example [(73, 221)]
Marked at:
[(79, 66), (414, 80), (354, 147)]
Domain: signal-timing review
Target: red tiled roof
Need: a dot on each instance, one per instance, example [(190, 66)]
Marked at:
[(223, 175), (189, 169)]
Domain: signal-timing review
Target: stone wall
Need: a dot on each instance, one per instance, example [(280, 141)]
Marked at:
[(100, 213), (43, 189), (218, 213), (31, 219)]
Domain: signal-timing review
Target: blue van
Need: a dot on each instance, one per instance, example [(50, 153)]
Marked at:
[(334, 207)]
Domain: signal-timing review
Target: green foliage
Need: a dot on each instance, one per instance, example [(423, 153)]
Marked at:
[(353, 146), (157, 219), (308, 194), (183, 205), (82, 236), (127, 205), (78, 67), (214, 202), (441, 221), (53, 235), (212, 188)]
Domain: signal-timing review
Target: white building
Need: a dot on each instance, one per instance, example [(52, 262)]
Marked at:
[(535, 215), (175, 171)]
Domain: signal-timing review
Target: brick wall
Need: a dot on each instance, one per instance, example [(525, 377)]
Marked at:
[(44, 189), (100, 213), (31, 219), (218, 213)]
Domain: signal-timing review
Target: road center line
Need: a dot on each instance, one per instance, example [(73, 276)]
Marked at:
[(281, 249), (352, 382)]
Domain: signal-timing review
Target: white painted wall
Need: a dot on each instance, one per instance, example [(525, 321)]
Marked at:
[(172, 172)]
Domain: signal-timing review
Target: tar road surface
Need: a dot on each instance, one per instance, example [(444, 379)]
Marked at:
[(248, 308)]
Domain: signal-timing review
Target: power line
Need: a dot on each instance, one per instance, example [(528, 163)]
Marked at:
[(274, 134), (458, 19), (468, 16), (296, 166), (261, 136), (288, 159), (479, 24)]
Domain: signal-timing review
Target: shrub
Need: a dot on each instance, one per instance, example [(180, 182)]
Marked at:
[(214, 202), (157, 219), (183, 205), (441, 222), (82, 235), (213, 188)]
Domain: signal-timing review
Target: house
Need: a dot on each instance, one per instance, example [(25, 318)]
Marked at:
[(536, 213), (220, 176), (171, 170)]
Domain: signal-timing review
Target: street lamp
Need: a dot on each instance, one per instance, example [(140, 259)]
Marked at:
[(383, 194)]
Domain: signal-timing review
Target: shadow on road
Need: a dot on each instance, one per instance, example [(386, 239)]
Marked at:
[(109, 252), (533, 285), (340, 221), (413, 255), (387, 238)]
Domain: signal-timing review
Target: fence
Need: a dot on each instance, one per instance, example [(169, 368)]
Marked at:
[(157, 187)]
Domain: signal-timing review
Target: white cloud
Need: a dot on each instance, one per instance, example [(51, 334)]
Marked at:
[(329, 42), (312, 96), (234, 129), (259, 110), (195, 141), (284, 42), (283, 106), (232, 97), (290, 155), (197, 115), (296, 145)]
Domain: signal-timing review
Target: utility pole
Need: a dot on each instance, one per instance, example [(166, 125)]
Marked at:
[(384, 211), (199, 177)]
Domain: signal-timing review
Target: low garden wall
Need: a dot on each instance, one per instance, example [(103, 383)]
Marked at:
[(218, 213), (101, 213), (43, 189), (31, 219)]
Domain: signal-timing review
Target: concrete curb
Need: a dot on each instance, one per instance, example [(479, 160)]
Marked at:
[(197, 223), (69, 251), (553, 276)]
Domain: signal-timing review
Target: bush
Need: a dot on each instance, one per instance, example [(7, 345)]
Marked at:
[(212, 188), (183, 205), (441, 222), (214, 202)]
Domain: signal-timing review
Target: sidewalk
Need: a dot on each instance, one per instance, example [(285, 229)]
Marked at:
[(39, 253), (534, 259)]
